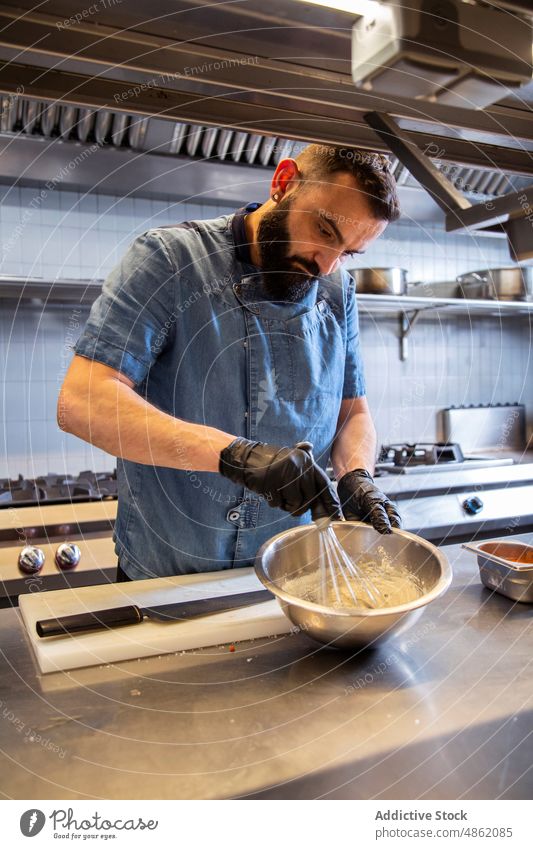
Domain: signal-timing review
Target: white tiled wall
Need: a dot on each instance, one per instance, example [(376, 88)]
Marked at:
[(64, 234), (429, 254), (75, 235), (69, 234), (34, 361), (450, 362)]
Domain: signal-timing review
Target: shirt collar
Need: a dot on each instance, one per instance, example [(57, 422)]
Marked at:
[(242, 246)]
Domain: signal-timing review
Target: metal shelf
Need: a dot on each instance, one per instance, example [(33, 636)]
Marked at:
[(410, 309), (462, 306), (46, 290)]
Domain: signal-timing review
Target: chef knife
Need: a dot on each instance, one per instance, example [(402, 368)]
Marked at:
[(181, 611)]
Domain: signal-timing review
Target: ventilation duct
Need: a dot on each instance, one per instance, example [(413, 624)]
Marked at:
[(22, 119)]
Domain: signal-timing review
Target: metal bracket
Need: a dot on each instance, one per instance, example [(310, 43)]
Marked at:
[(407, 322), (441, 189), (501, 214)]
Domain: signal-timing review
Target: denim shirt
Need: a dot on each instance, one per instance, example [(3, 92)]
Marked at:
[(185, 317)]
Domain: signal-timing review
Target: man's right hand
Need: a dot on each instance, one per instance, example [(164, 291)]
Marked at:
[(288, 478)]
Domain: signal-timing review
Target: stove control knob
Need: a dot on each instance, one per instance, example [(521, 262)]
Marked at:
[(67, 556), (473, 505), (31, 559)]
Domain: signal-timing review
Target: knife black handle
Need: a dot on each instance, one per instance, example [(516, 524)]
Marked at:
[(97, 620)]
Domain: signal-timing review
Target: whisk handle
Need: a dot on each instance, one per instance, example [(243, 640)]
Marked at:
[(326, 506), (306, 446), (319, 513)]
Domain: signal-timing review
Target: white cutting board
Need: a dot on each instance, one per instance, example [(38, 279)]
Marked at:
[(149, 637)]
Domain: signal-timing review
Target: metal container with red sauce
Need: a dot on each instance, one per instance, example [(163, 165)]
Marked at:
[(506, 567)]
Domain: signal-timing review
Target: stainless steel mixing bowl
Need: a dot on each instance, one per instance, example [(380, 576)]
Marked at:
[(295, 554)]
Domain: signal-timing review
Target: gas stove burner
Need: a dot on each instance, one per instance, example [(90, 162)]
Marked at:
[(20, 491), (58, 489), (421, 453)]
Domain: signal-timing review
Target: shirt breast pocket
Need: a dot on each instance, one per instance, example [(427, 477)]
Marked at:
[(308, 355)]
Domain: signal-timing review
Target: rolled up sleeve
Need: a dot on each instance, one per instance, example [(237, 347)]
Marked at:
[(354, 376), (130, 322)]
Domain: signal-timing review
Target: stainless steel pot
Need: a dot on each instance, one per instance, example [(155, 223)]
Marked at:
[(380, 281), (295, 553), (514, 283), (437, 289)]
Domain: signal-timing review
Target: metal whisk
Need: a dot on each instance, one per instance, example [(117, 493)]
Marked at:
[(338, 570), (341, 577)]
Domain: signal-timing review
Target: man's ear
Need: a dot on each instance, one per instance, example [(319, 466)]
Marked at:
[(286, 176)]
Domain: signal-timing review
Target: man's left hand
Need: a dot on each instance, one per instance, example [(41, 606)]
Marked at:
[(361, 499)]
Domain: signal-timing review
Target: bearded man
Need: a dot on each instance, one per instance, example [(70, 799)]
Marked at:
[(218, 353)]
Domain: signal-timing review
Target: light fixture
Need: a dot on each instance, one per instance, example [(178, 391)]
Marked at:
[(451, 52), (358, 7)]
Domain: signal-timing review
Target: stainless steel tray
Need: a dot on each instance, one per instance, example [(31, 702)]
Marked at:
[(506, 568)]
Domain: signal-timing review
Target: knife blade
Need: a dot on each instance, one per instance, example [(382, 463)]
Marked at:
[(116, 617)]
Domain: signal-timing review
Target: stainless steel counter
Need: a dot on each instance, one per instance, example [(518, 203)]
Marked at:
[(442, 713), (398, 486), (435, 502)]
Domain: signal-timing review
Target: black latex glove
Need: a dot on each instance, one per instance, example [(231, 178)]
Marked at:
[(361, 499), (288, 478)]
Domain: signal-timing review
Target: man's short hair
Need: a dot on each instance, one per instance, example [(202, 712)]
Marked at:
[(371, 171)]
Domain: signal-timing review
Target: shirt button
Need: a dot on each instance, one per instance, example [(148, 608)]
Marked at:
[(234, 515)]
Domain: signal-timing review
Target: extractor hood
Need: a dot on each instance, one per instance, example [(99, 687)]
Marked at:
[(196, 102), (116, 153)]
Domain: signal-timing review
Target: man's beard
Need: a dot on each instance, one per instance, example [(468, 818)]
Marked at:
[(282, 281)]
